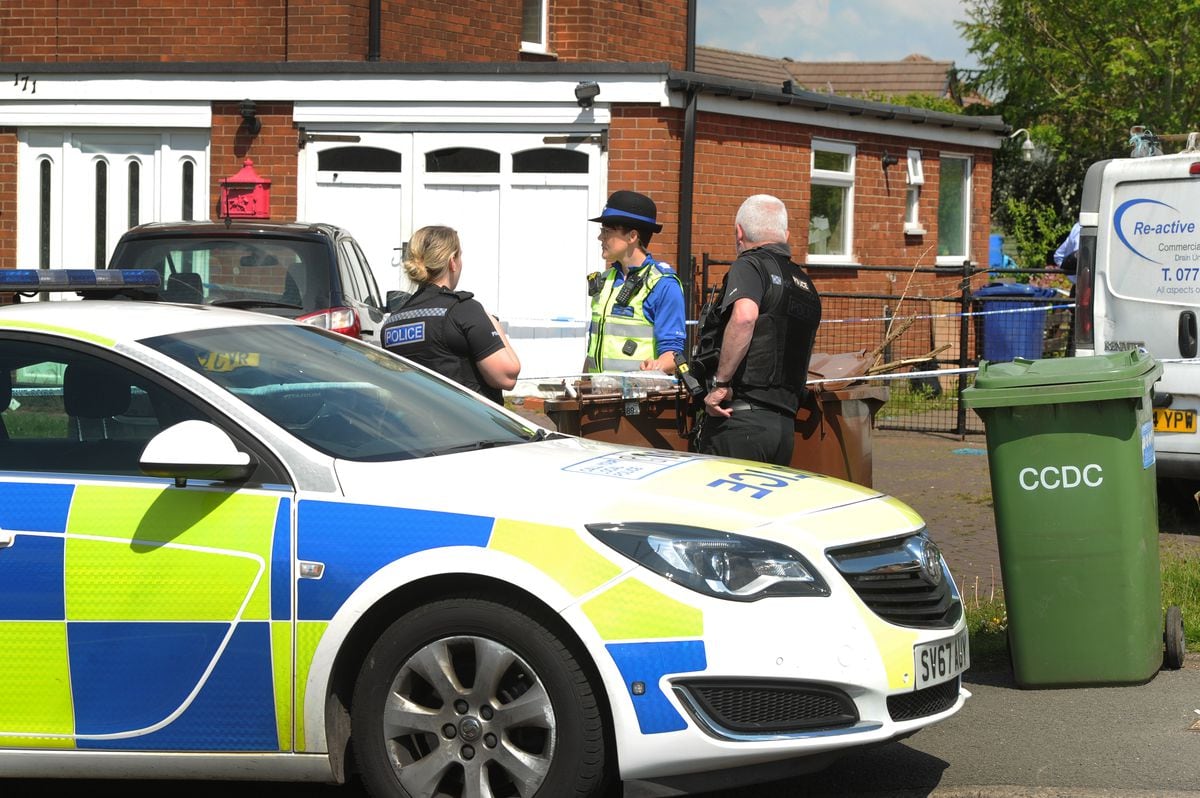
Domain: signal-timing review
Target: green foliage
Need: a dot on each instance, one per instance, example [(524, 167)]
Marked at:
[(1033, 231), (1078, 76), (1181, 587), (987, 626), (925, 101)]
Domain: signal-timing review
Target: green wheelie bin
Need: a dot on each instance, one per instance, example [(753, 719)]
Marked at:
[(1070, 446)]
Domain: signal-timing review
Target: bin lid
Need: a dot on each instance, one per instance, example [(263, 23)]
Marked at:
[(1014, 290), (1116, 375)]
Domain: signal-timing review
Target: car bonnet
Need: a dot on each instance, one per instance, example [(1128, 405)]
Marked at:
[(572, 482)]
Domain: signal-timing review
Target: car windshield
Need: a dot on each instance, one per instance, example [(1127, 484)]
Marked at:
[(345, 398), (239, 271)]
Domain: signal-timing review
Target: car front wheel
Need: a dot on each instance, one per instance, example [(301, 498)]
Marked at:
[(469, 698)]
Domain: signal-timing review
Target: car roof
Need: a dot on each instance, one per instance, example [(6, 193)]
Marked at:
[(234, 229), (109, 320)]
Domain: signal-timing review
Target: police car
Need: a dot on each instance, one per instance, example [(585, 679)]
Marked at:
[(237, 546)]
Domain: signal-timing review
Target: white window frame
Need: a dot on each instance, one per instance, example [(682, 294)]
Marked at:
[(912, 202), (543, 45), (965, 243), (845, 180)]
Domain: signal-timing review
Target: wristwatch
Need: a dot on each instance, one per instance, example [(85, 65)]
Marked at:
[(722, 383)]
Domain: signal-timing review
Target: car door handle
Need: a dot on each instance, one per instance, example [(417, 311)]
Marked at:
[(1187, 334)]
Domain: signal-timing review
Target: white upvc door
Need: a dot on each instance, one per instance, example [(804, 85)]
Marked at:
[(79, 191)]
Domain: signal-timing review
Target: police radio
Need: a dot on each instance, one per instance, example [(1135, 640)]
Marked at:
[(632, 283)]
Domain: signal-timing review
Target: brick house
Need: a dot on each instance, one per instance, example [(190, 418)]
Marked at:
[(384, 116)]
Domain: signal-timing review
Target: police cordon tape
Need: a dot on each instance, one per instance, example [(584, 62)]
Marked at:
[(908, 375), (665, 379), (855, 320)]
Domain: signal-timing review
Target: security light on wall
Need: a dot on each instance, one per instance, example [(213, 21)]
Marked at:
[(249, 111), (586, 93), (1027, 147)]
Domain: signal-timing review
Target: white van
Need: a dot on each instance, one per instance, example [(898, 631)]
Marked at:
[(1138, 285)]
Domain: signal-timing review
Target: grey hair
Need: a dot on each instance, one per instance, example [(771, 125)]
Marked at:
[(763, 219)]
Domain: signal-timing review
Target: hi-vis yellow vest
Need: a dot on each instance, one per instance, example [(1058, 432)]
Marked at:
[(620, 336)]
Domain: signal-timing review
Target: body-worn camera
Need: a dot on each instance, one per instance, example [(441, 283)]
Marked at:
[(693, 378)]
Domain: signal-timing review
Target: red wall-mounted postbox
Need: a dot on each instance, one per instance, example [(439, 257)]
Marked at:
[(246, 195)]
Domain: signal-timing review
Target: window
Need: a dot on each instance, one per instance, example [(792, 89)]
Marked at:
[(831, 211), (550, 161), (462, 159), (912, 208), (188, 181), (359, 159), (954, 210), (534, 15), (44, 214), (100, 240), (77, 413), (135, 186)]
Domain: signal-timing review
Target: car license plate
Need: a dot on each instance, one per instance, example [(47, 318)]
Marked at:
[(941, 660), (1168, 420)]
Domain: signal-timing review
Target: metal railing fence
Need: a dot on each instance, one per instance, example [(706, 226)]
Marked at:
[(924, 346)]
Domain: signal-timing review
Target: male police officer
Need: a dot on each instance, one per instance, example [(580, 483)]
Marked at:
[(755, 343), (637, 302)]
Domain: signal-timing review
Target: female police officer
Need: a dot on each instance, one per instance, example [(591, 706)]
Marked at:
[(637, 302), (447, 330)]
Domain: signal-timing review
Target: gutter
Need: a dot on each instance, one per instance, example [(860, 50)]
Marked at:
[(791, 95)]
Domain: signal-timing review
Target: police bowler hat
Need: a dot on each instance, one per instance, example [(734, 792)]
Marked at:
[(631, 209)]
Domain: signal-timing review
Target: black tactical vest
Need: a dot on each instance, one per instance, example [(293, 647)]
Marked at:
[(419, 330), (775, 368)]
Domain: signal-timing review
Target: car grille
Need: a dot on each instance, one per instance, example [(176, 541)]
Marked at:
[(924, 702), (768, 708), (903, 580)]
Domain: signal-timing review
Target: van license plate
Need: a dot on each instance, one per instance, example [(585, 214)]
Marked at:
[(1168, 420), (941, 660)]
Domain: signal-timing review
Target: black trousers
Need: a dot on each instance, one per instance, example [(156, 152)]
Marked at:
[(751, 433)]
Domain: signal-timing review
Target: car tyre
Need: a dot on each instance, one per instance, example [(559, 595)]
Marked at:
[(467, 697), (1173, 637)]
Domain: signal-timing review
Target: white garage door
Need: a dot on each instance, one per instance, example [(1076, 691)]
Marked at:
[(520, 206)]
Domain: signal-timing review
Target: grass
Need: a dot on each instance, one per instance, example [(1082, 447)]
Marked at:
[(906, 402), (987, 617)]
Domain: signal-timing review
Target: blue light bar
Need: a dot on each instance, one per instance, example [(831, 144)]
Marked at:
[(32, 280)]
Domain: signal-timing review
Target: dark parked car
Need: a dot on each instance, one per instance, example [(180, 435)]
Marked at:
[(311, 272)]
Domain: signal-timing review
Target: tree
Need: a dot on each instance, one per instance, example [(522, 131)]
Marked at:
[(1078, 76)]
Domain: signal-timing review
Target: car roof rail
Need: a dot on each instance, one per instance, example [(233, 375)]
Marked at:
[(89, 283)]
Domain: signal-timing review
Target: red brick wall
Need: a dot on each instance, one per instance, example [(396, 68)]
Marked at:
[(8, 198), (619, 30), (643, 156), (273, 152), (321, 30), (738, 157), (329, 30), (144, 30), (464, 30)]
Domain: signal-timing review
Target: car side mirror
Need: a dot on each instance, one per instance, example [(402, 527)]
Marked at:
[(195, 450)]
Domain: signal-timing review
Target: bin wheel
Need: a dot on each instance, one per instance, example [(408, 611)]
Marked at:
[(1174, 639)]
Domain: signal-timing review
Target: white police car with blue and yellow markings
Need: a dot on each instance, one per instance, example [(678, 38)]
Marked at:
[(234, 546)]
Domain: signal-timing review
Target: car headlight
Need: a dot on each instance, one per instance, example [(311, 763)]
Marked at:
[(715, 563)]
